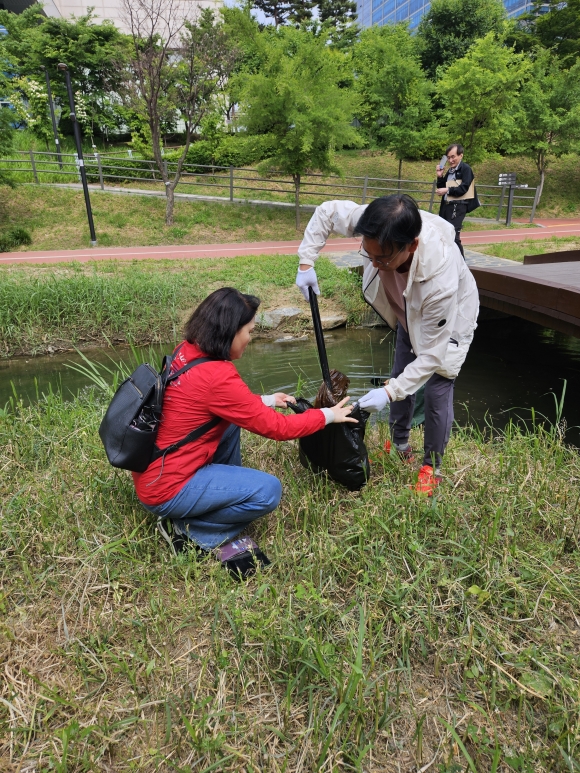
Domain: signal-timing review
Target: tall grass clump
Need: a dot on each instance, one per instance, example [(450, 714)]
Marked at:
[(141, 301), (14, 237), (391, 633)]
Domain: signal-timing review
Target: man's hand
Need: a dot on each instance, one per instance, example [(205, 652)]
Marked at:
[(375, 400), (442, 191), (439, 171), (305, 279)]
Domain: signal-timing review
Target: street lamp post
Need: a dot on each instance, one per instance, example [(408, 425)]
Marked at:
[(82, 170), (52, 116)]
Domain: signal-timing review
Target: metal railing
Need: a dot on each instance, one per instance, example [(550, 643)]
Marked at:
[(44, 167)]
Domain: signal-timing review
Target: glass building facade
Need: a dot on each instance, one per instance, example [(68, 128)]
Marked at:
[(392, 11)]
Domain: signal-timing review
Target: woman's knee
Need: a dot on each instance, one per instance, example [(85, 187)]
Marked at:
[(272, 493)]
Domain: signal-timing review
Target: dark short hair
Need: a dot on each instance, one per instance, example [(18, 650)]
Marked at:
[(217, 319), (391, 220), (454, 145)]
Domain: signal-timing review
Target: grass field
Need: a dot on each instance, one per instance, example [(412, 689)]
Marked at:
[(48, 307), (392, 633), (517, 250)]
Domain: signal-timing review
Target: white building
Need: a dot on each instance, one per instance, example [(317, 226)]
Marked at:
[(103, 9)]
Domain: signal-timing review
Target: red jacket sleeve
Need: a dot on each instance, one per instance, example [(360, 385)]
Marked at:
[(227, 396)]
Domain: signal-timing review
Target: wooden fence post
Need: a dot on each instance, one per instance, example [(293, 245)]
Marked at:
[(508, 219), (33, 165), (432, 199), (500, 207), (98, 157), (231, 183), (365, 187)]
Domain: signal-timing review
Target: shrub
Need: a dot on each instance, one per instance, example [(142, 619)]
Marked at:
[(232, 150), (13, 238)]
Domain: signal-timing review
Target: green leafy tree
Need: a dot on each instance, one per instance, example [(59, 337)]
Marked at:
[(30, 101), (479, 93), (296, 97), (450, 27), (394, 93), (6, 140), (547, 114), (94, 53), (176, 69), (553, 25)]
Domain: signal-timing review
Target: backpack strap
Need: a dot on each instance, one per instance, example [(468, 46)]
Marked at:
[(196, 433)]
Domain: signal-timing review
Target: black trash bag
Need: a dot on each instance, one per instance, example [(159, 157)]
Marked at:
[(338, 449)]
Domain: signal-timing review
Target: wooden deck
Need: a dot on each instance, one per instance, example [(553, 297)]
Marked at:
[(546, 293)]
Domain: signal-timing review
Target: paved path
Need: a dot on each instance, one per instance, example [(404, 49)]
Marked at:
[(568, 227)]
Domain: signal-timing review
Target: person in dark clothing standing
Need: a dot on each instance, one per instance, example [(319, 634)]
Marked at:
[(457, 190)]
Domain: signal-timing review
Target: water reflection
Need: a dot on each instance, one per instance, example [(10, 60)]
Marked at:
[(513, 366)]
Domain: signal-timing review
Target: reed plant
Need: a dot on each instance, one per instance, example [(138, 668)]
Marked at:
[(391, 633), (144, 301)]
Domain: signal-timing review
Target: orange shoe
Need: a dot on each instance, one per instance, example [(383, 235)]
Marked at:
[(427, 481), (407, 456)]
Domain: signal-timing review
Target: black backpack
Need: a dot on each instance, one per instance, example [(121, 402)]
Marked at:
[(130, 425)]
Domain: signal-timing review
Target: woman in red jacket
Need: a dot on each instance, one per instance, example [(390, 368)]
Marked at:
[(203, 488)]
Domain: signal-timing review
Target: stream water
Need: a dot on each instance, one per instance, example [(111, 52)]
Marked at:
[(512, 367)]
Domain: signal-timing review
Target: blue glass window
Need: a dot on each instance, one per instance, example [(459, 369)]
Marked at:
[(415, 5), (378, 16), (389, 7), (403, 12), (377, 4)]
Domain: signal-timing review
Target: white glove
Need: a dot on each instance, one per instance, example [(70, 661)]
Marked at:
[(306, 279), (375, 400)]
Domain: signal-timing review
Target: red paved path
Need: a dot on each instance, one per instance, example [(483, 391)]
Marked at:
[(552, 228)]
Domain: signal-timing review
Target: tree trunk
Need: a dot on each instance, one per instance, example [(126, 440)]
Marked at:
[(169, 204), (297, 199), (400, 174), (541, 166)]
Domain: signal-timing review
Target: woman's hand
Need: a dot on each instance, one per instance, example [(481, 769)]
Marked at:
[(282, 399), (342, 411)]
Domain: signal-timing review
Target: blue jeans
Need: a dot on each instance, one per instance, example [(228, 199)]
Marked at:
[(222, 498)]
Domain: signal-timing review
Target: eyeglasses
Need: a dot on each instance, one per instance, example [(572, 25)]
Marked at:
[(364, 254)]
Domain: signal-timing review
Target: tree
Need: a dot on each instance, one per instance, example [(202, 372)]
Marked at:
[(479, 92), (337, 11), (94, 53), (296, 97), (176, 68), (393, 90), (553, 25), (301, 11), (450, 27), (278, 10), (6, 139), (547, 114)]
